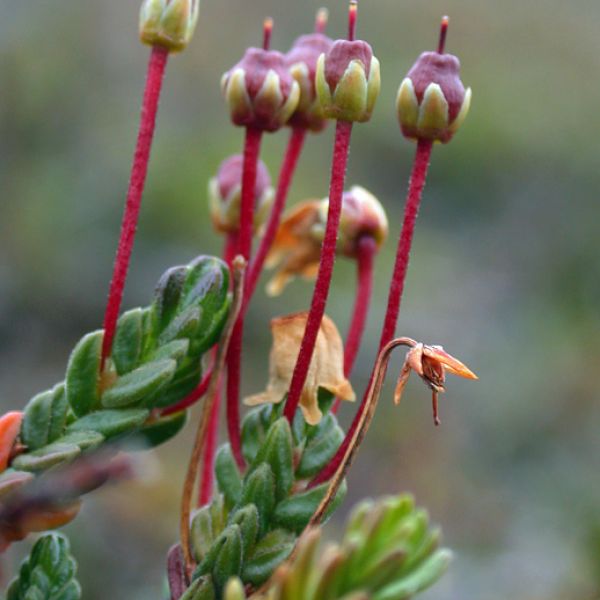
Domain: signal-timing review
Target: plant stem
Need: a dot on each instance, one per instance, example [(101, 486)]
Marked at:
[(328, 250), (207, 477), (154, 80), (367, 248), (288, 168), (411, 210), (238, 268), (234, 357)]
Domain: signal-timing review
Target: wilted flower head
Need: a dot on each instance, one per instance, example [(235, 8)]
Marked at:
[(296, 250), (431, 363), (225, 194), (260, 90), (302, 62), (348, 81), (326, 367), (168, 23), (362, 216), (432, 102)]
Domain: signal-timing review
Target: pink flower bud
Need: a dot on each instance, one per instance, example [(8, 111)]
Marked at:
[(260, 90), (225, 192), (302, 62)]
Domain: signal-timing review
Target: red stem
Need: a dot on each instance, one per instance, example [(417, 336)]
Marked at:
[(207, 478), (367, 248), (321, 292), (411, 210), (288, 168), (443, 34), (352, 13), (154, 80), (234, 355)]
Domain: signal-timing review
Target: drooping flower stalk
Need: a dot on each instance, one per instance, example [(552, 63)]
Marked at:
[(347, 83), (432, 114), (154, 80), (319, 301), (288, 168), (367, 248)]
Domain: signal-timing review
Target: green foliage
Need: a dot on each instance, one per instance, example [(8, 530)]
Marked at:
[(48, 573), (156, 361), (388, 553), (253, 524)]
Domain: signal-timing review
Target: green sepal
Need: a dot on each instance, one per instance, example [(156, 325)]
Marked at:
[(228, 476), (82, 374), (259, 489), (135, 387), (320, 447), (295, 512), (111, 423), (128, 342), (163, 429), (277, 452), (46, 457), (267, 555)]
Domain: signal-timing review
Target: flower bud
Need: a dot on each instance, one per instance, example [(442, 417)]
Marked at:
[(432, 102), (362, 215), (260, 90), (225, 195), (168, 23), (348, 81), (302, 61)]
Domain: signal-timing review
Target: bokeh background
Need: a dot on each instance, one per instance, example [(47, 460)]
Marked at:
[(505, 271)]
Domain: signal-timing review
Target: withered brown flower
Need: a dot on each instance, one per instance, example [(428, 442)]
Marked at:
[(326, 367), (431, 363)]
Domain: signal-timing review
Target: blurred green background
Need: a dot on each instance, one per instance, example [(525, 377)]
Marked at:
[(505, 271)]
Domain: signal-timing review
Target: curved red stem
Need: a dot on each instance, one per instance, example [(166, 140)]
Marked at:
[(286, 174), (411, 210), (321, 292), (154, 80), (210, 449), (367, 248)]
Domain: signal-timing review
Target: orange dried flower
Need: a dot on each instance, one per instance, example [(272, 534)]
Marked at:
[(431, 363), (326, 367), (10, 425)]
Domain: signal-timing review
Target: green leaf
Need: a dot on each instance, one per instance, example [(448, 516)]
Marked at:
[(247, 519), (127, 344), (165, 428), (259, 489), (201, 589), (228, 562), (111, 423), (58, 414), (82, 374), (277, 452), (176, 350), (178, 388), (36, 421), (46, 457), (183, 325), (228, 476), (167, 295), (202, 533), (253, 435), (320, 448), (84, 439), (267, 555), (133, 388), (295, 512)]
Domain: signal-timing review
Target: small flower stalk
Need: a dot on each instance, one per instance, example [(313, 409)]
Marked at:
[(168, 23)]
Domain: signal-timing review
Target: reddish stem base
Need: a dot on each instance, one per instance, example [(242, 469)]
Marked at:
[(321, 292), (154, 80), (367, 249), (411, 210), (207, 479)]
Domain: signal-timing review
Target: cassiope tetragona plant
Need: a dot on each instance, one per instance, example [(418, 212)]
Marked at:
[(251, 509)]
